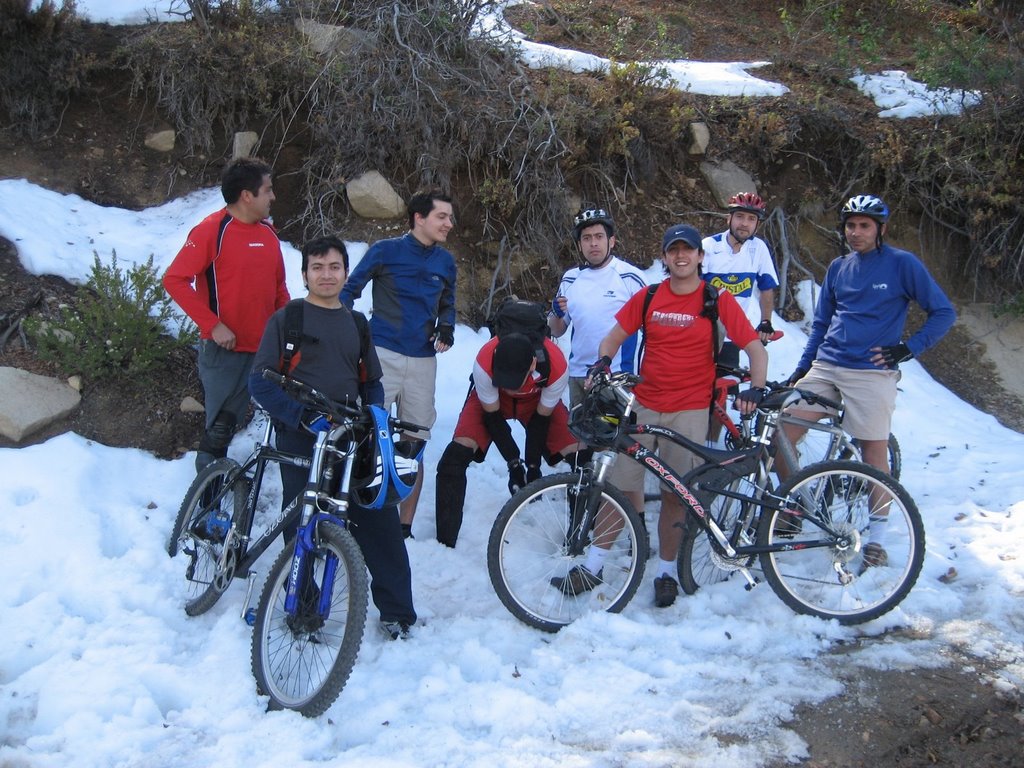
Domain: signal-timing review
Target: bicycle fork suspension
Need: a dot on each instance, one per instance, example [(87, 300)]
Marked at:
[(583, 521)]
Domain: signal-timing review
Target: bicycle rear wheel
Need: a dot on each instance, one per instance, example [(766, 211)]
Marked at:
[(203, 520), (303, 660), (527, 549), (834, 502)]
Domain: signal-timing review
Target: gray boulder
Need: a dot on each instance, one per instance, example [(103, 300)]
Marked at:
[(372, 197), (32, 402), (726, 179)]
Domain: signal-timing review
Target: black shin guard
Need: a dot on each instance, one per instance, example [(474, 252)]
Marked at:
[(214, 443), (450, 492)]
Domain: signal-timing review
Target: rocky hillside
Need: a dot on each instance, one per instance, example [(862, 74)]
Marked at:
[(97, 149)]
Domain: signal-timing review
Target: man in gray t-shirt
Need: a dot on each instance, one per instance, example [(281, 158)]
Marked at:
[(336, 357)]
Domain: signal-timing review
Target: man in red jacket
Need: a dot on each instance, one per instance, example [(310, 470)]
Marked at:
[(229, 278), (677, 372)]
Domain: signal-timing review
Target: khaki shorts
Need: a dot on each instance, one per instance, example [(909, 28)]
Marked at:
[(409, 382), (628, 475), (869, 397)]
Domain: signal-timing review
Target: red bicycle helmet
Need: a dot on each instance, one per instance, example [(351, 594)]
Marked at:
[(748, 201)]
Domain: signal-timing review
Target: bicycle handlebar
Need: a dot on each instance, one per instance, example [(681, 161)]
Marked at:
[(310, 396), (307, 395)]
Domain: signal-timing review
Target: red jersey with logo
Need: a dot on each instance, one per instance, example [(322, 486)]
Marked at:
[(229, 272), (678, 367), (549, 395)]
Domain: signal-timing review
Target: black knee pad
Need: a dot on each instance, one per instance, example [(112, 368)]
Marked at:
[(450, 492), (218, 436), (455, 459)]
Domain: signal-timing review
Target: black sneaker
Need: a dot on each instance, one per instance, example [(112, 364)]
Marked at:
[(407, 531), (395, 630), (577, 581), (665, 591)]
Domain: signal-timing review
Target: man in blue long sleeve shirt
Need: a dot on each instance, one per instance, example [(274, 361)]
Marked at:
[(855, 346), (413, 314)]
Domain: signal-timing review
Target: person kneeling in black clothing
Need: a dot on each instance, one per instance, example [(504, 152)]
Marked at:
[(508, 384)]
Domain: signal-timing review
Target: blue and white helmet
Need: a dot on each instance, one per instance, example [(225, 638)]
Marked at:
[(385, 471), (865, 205)]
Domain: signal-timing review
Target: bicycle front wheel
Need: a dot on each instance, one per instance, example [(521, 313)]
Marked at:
[(203, 521), (302, 660), (528, 549), (854, 542)]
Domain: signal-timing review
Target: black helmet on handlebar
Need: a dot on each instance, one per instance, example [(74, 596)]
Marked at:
[(597, 420), (385, 471)]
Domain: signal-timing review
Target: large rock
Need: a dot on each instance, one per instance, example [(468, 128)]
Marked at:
[(245, 142), (700, 138), (31, 402), (726, 179), (372, 197), (330, 38), (161, 141)]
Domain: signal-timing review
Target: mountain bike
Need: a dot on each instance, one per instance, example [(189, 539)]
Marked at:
[(308, 624), (542, 533)]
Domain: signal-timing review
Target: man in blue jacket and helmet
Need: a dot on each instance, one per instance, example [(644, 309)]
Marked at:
[(856, 342)]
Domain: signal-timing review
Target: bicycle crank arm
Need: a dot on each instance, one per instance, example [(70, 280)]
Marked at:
[(248, 596), (751, 581)]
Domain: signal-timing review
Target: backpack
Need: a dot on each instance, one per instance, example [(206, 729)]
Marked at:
[(529, 318), (293, 337)]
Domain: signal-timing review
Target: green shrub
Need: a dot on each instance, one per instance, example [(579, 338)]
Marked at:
[(116, 326), (1012, 306)]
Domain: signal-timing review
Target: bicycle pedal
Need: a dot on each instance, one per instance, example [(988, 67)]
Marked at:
[(250, 617)]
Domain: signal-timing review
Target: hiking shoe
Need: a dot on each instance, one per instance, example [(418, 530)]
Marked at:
[(395, 630), (577, 581), (788, 524), (665, 591), (874, 556)]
